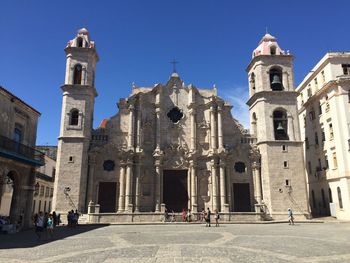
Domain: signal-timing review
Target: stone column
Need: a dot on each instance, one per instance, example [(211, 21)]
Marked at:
[(131, 127), (121, 201), (215, 184), (158, 131), (128, 185), (137, 186), (158, 192), (189, 204), (213, 128), (257, 182), (285, 81), (290, 128), (138, 129), (193, 187), (193, 129), (222, 186), (220, 132), (90, 183), (228, 186)]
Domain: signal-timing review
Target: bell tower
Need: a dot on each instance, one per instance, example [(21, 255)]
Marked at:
[(76, 124), (274, 122)]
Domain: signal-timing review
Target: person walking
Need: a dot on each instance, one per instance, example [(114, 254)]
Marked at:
[(50, 225), (290, 216), (217, 217), (207, 219), (39, 225)]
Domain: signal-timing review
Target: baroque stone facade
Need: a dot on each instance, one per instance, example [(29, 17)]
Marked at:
[(177, 146)]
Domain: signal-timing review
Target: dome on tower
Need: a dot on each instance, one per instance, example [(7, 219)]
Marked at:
[(83, 31), (268, 46)]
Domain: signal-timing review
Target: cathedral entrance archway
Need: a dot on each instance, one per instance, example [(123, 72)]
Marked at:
[(241, 197), (107, 197), (175, 195)]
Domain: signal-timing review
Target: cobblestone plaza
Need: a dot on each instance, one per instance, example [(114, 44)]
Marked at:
[(317, 242)]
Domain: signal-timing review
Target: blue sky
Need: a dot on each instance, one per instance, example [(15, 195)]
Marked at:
[(212, 40)]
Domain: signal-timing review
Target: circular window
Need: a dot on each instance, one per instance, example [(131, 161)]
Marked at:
[(108, 165), (240, 167), (175, 114)]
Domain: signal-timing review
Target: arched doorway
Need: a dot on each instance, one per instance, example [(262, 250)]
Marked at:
[(10, 196), (175, 194)]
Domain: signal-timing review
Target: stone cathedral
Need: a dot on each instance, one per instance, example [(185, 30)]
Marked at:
[(177, 146)]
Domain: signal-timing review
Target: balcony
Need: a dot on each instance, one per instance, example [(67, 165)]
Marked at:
[(20, 152)]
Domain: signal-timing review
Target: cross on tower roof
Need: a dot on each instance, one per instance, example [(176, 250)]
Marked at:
[(174, 62)]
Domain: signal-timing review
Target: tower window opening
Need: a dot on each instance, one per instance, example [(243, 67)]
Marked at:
[(273, 50), (77, 74), (79, 42), (280, 124), (346, 69), (276, 79), (74, 117), (252, 80)]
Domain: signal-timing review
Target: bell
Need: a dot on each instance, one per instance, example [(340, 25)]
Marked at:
[(279, 127), (276, 83)]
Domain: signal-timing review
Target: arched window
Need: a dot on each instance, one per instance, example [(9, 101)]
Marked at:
[(280, 125), (276, 79), (74, 117), (254, 124), (79, 42), (273, 50), (340, 200), (313, 199), (252, 81), (323, 198), (77, 74), (330, 195), (240, 167)]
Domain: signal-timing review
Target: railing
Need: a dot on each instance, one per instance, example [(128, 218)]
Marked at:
[(21, 152)]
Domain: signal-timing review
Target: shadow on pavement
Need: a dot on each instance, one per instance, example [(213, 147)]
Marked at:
[(28, 238)]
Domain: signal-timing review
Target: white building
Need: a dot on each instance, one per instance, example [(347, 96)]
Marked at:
[(324, 117)]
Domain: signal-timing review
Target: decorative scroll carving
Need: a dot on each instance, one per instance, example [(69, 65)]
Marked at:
[(175, 156)]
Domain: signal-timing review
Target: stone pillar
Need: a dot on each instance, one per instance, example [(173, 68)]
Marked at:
[(90, 183), (193, 129), (189, 172), (222, 186), (213, 128), (193, 187), (228, 186), (128, 185), (131, 127), (138, 129), (158, 131), (285, 81), (290, 129), (121, 202), (220, 129), (137, 187), (257, 182), (158, 182), (215, 185)]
